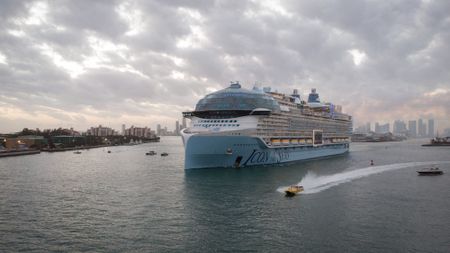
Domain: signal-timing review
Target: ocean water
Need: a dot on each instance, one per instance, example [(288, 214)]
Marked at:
[(125, 201)]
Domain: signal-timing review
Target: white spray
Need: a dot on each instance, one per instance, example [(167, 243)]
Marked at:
[(313, 183)]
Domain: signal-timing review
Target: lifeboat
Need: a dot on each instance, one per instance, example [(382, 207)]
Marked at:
[(294, 141), (293, 190), (301, 141), (275, 142), (309, 141), (285, 141)]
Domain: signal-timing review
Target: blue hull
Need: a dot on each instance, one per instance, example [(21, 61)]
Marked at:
[(243, 151)]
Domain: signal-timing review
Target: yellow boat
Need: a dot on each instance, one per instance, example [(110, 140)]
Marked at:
[(293, 190)]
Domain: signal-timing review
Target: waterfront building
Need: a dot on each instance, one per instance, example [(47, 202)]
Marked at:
[(101, 131), (158, 130), (177, 128), (68, 141), (360, 130), (381, 129), (25, 142), (447, 132), (142, 132), (184, 123), (363, 129), (422, 128), (412, 128), (399, 127), (431, 128)]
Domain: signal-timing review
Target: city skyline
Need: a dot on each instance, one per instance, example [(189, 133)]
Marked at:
[(412, 128), (60, 65)]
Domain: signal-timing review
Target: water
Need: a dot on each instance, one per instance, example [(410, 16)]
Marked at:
[(128, 202)]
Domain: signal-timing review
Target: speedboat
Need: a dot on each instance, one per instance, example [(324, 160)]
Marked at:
[(151, 153), (293, 190), (430, 172), (164, 154), (77, 152)]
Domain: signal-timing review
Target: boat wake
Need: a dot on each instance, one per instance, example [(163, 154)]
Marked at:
[(313, 183)]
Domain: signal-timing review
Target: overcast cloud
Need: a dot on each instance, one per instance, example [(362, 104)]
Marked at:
[(83, 63)]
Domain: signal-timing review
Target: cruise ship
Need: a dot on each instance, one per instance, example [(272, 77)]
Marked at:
[(238, 127)]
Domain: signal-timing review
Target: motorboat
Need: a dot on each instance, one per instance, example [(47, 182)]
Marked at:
[(293, 190), (151, 153), (164, 154), (430, 172), (77, 152)]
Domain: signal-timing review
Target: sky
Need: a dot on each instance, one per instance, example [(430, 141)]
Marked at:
[(84, 63)]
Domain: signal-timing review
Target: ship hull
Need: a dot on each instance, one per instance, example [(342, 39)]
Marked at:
[(203, 151)]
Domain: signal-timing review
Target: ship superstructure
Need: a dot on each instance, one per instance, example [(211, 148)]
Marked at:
[(236, 127)]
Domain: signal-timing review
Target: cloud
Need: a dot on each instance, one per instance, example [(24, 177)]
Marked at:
[(80, 63)]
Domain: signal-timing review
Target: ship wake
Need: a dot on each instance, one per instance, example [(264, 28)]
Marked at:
[(313, 183)]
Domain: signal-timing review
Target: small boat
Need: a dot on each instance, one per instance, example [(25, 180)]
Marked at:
[(151, 153), (77, 152), (293, 190), (164, 154), (430, 172), (109, 151)]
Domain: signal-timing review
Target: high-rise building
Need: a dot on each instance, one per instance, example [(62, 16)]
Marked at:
[(158, 129), (399, 127), (123, 129), (368, 127), (184, 122), (422, 128), (143, 132), (360, 129), (101, 131), (447, 132), (177, 128), (381, 129), (386, 128), (412, 128), (431, 128)]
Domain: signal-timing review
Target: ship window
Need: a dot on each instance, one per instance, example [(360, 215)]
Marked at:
[(237, 125)]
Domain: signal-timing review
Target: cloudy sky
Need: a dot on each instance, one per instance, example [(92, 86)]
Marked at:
[(82, 63)]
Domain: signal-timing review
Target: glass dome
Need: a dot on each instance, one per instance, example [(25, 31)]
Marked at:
[(236, 98)]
